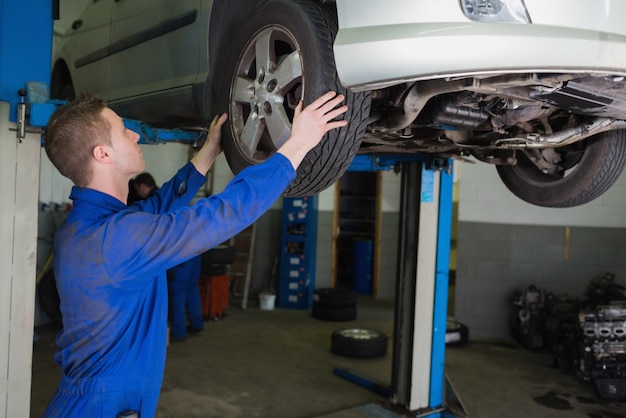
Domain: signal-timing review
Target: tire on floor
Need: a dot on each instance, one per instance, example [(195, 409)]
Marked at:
[(358, 343)]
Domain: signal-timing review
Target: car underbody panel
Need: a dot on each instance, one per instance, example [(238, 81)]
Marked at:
[(496, 112)]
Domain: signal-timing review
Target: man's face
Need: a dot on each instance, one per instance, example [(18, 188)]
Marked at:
[(127, 155)]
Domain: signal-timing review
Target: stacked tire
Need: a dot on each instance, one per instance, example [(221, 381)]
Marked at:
[(334, 305)]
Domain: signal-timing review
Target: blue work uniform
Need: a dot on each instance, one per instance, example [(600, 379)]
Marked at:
[(185, 300), (110, 263)]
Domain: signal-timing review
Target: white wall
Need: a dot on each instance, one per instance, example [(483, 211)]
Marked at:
[(391, 183), (483, 198), (163, 160), (53, 187)]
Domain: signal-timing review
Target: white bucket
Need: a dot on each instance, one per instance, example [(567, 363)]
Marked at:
[(266, 301)]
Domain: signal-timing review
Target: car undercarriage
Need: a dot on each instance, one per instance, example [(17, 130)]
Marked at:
[(489, 116)]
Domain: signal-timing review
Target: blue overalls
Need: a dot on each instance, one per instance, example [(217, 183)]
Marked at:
[(184, 298), (110, 263)]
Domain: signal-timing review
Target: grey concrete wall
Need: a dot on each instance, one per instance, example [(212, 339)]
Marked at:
[(495, 260)]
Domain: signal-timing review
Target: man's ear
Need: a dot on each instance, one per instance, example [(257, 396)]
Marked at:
[(101, 154)]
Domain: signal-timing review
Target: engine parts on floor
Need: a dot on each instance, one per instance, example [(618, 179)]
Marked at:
[(587, 337), (528, 317), (603, 350)]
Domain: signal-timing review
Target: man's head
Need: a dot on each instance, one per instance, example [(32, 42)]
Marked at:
[(73, 131), (85, 136), (144, 185)]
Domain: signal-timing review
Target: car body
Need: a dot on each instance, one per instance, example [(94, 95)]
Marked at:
[(536, 88)]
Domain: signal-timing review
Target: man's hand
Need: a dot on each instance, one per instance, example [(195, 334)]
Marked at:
[(310, 124), (212, 147)]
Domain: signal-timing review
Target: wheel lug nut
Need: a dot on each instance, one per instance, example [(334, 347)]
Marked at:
[(271, 85)]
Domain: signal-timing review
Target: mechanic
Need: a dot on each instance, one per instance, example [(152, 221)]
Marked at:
[(110, 258), (185, 300)]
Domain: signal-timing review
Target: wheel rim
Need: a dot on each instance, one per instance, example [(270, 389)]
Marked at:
[(359, 334), (266, 88)]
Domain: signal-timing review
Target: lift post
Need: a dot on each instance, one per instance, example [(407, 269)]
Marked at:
[(424, 238), (419, 387)]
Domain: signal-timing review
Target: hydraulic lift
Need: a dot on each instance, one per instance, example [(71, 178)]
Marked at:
[(419, 386)]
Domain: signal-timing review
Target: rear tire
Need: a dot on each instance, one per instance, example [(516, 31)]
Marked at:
[(599, 165), (282, 53)]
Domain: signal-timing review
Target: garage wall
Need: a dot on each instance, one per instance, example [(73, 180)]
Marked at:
[(506, 245)]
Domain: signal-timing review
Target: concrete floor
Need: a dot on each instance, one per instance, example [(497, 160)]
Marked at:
[(278, 364)]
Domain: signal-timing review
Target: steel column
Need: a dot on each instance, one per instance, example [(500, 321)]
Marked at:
[(422, 288)]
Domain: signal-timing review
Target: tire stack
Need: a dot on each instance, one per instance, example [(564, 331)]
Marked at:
[(334, 305)]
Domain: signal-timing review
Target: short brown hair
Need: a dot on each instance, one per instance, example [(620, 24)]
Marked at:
[(73, 131)]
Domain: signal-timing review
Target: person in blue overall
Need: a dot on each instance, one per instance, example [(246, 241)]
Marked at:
[(110, 258), (185, 300)]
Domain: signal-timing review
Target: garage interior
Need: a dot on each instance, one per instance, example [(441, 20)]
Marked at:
[(277, 361)]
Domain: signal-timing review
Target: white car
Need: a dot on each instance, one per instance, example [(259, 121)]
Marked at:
[(534, 87)]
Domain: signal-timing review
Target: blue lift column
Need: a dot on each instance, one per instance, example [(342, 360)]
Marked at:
[(419, 387), (418, 377)]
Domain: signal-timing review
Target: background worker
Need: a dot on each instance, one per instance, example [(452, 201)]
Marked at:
[(185, 301), (144, 186), (111, 258)]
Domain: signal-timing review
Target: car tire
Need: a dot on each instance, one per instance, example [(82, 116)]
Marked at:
[(335, 298), (358, 343), (333, 313), (299, 39), (597, 164), (334, 304), (456, 333)]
